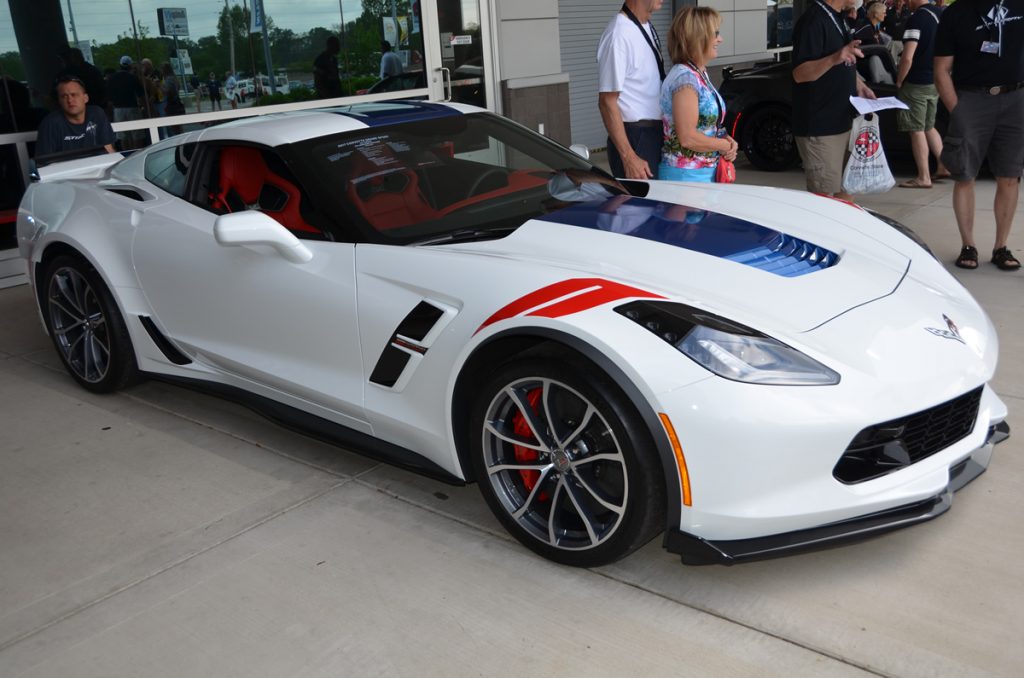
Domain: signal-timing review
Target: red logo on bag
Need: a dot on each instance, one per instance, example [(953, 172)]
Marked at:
[(867, 144)]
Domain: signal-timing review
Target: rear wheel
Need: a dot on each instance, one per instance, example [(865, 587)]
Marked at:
[(86, 326), (565, 463), (767, 139)]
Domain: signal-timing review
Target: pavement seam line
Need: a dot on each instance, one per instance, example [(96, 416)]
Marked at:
[(505, 537), (170, 566), (236, 436), (745, 625)]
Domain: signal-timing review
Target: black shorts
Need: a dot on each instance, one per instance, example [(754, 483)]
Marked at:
[(985, 126)]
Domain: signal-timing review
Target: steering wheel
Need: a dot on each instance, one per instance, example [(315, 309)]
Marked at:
[(474, 187)]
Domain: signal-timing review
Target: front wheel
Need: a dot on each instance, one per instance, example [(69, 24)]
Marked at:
[(86, 326), (767, 139), (565, 463)]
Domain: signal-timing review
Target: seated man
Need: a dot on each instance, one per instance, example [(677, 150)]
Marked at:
[(76, 125)]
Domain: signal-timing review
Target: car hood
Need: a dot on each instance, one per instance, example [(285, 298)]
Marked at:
[(773, 258)]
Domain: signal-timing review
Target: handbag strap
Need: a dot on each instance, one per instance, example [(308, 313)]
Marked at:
[(655, 46)]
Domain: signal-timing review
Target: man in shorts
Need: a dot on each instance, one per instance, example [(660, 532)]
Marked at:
[(825, 72), (979, 73), (916, 88)]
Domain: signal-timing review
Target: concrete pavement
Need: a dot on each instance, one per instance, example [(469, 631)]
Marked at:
[(160, 532)]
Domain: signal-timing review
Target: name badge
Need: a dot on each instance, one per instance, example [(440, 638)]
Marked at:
[(989, 47)]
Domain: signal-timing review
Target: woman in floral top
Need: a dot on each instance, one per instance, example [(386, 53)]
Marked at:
[(692, 111)]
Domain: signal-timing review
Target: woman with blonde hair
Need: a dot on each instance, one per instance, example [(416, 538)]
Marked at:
[(692, 110)]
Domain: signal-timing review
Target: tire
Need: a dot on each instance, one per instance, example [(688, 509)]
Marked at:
[(590, 499), (767, 139), (86, 326)]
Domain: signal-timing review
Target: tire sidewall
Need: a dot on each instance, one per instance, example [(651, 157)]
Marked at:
[(753, 127), (122, 368), (644, 515)]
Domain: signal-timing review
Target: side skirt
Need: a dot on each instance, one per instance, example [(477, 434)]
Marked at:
[(319, 428)]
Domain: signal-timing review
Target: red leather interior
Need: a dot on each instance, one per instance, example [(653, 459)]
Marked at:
[(242, 176), (386, 192)]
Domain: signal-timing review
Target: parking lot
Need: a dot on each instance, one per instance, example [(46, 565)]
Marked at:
[(160, 532)]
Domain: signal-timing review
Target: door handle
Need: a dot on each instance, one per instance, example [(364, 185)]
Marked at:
[(446, 82)]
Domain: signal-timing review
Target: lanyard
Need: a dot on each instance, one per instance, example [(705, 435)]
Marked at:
[(995, 26), (831, 15), (718, 97), (655, 46)]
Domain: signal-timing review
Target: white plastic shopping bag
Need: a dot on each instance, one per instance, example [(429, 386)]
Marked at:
[(867, 170)]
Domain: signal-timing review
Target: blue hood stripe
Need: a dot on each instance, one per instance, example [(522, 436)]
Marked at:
[(394, 112), (710, 233)]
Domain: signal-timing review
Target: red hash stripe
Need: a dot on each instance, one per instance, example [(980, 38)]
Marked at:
[(582, 293)]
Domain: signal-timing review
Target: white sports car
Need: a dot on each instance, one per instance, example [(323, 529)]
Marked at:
[(751, 371)]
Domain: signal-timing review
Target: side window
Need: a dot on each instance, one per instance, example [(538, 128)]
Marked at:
[(245, 177), (168, 168)]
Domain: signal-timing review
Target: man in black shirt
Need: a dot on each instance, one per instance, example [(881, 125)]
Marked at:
[(979, 74), (326, 80), (127, 96), (76, 124), (916, 88), (825, 71)]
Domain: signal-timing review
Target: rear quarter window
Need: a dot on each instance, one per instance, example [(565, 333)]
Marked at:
[(168, 168)]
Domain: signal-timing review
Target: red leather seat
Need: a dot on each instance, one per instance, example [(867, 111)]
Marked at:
[(244, 178), (386, 192)]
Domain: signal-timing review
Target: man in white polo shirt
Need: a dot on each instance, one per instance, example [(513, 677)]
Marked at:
[(630, 71)]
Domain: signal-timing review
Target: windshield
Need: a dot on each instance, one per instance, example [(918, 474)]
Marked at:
[(457, 175)]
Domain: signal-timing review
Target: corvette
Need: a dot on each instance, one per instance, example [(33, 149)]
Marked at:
[(750, 371)]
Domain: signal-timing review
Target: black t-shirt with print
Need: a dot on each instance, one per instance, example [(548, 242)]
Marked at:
[(921, 29), (966, 25), (822, 107), (57, 134)]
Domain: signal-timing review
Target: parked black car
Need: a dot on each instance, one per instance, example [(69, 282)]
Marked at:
[(759, 101)]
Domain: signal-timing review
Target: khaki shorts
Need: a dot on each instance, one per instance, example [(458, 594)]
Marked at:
[(922, 100), (824, 159)]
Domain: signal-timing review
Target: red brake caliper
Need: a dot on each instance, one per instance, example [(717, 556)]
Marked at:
[(525, 454)]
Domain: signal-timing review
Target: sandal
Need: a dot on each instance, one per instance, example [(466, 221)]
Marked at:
[(968, 258), (1004, 260)]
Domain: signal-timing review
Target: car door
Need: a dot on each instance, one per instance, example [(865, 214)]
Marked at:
[(246, 311)]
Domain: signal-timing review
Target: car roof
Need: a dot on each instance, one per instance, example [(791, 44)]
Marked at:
[(275, 129)]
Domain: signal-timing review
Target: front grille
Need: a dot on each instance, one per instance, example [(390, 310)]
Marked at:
[(890, 446)]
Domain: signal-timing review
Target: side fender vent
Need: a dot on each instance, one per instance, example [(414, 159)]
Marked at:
[(169, 350), (405, 342)]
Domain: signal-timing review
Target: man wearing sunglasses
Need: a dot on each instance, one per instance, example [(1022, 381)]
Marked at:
[(630, 70), (76, 125)]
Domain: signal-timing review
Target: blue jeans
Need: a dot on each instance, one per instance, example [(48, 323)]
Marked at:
[(645, 139)]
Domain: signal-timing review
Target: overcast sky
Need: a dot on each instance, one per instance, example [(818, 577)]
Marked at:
[(104, 20)]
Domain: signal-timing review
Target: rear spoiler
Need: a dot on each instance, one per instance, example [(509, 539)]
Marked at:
[(93, 167)]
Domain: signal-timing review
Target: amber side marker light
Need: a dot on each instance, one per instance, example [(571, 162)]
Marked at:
[(677, 449)]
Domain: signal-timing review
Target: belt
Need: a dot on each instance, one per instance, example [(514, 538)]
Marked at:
[(643, 123), (997, 89)]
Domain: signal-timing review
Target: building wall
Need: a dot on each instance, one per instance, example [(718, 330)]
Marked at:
[(533, 89)]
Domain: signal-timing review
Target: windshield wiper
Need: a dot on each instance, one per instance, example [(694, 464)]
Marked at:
[(466, 235)]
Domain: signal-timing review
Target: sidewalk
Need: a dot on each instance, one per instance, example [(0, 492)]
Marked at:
[(159, 532)]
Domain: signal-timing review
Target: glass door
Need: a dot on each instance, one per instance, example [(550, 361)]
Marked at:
[(459, 50)]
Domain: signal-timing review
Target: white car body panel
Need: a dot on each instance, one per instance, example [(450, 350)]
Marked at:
[(308, 335)]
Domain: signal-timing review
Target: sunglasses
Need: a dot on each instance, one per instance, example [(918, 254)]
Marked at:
[(69, 78)]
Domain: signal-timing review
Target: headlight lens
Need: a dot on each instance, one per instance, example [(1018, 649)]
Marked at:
[(726, 348)]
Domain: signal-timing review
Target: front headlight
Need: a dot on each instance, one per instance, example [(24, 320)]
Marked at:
[(728, 349)]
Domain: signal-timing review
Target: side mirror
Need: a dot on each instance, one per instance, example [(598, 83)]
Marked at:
[(256, 228), (581, 150)]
